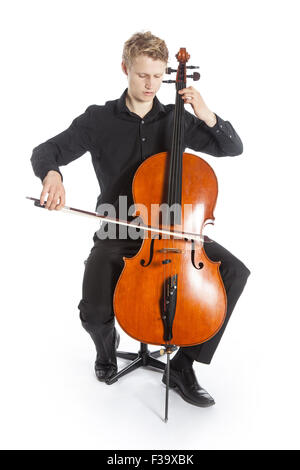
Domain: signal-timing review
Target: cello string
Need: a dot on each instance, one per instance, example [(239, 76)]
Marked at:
[(176, 145), (177, 167), (180, 150), (173, 155), (173, 161), (172, 191), (175, 199), (178, 178), (171, 181), (180, 158)]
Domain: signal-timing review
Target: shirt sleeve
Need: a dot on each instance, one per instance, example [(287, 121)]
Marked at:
[(221, 140), (65, 147)]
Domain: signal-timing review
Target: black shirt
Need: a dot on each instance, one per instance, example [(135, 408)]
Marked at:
[(119, 140)]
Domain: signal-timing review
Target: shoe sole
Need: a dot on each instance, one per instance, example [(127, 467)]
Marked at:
[(185, 398), (106, 379), (100, 380)]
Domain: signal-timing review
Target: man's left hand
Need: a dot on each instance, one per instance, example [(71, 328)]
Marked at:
[(192, 96)]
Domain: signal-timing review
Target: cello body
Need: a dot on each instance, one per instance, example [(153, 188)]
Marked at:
[(140, 295)]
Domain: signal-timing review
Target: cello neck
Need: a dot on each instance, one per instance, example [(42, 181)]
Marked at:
[(177, 148)]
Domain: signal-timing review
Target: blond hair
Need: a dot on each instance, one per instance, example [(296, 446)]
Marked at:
[(144, 44)]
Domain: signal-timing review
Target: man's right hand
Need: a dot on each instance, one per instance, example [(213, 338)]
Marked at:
[(52, 185)]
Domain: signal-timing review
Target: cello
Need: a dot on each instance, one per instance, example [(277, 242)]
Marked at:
[(170, 293)]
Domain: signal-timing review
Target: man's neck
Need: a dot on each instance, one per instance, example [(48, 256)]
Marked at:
[(138, 107)]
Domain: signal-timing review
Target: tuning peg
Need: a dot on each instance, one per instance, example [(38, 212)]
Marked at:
[(192, 67), (170, 70), (195, 76)]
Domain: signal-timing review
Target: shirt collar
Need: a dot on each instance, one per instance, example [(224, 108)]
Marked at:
[(156, 108)]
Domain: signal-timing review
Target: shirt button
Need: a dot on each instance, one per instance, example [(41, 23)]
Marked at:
[(230, 136), (217, 131), (142, 122), (143, 139), (221, 126)]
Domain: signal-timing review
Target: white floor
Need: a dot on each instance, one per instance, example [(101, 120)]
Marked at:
[(52, 400)]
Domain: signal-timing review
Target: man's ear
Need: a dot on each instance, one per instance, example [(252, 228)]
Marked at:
[(124, 68)]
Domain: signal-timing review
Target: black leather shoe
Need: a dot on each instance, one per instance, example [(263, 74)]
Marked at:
[(106, 371), (185, 382)]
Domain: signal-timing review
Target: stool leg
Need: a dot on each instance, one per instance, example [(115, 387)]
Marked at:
[(134, 365)]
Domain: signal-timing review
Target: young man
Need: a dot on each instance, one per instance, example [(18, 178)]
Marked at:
[(120, 135)]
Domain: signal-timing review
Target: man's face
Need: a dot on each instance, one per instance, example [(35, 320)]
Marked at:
[(144, 77)]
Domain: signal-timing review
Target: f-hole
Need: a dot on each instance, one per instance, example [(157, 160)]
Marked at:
[(151, 253), (200, 265)]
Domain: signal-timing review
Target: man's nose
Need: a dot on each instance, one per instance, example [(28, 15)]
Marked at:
[(149, 83)]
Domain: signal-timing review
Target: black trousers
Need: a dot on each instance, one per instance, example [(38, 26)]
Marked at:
[(102, 270)]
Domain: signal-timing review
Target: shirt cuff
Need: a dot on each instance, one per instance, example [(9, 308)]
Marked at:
[(44, 173), (219, 128)]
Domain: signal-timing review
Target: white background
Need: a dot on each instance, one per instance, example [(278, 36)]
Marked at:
[(58, 57)]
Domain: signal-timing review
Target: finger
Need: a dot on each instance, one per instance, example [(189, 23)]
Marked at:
[(188, 99), (187, 94), (50, 199), (61, 203), (54, 201), (43, 194), (185, 90)]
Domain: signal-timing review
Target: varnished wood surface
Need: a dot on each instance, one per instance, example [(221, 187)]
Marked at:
[(201, 296)]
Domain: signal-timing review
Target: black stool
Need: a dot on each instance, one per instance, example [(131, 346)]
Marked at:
[(144, 358)]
